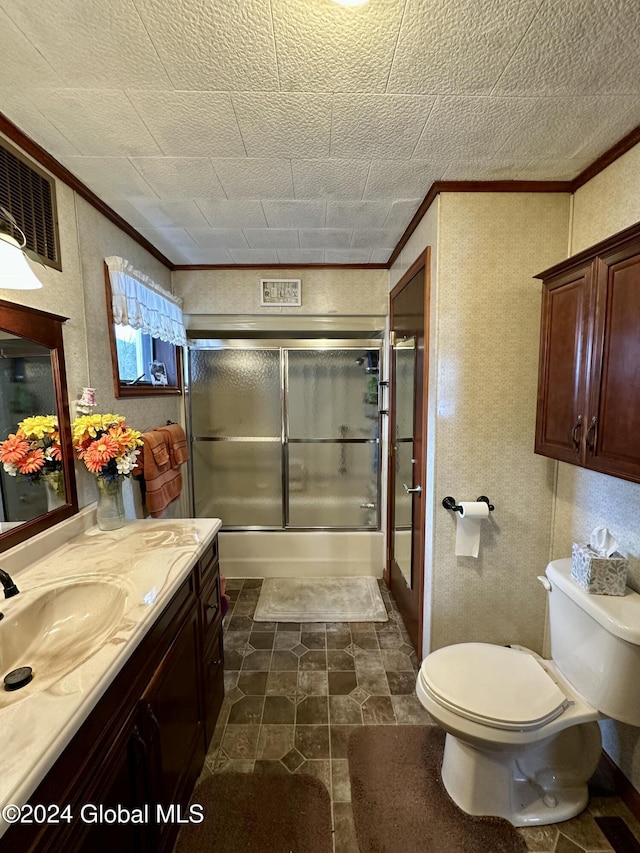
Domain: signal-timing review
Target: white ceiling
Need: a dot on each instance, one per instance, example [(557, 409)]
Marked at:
[(300, 131)]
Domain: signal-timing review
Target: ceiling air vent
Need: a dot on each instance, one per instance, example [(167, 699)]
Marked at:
[(30, 195)]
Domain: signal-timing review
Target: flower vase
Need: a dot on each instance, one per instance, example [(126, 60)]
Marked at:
[(110, 509), (55, 490)]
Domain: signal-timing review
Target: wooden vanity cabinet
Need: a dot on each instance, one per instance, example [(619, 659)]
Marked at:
[(145, 741), (589, 372)]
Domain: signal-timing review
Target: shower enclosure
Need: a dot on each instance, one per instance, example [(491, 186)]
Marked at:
[(286, 433)]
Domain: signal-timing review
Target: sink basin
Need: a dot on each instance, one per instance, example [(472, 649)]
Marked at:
[(56, 629)]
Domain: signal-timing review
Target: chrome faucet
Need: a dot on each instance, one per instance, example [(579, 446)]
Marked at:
[(10, 589)]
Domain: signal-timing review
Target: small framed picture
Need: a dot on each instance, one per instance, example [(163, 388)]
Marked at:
[(280, 291), (158, 372)]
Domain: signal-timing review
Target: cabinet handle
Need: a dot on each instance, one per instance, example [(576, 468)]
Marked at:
[(213, 607), (574, 434), (153, 719), (591, 442)]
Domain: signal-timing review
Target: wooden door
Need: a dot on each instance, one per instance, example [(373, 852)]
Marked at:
[(614, 415), (407, 445), (563, 369)]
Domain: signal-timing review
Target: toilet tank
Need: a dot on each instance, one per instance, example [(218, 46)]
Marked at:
[(595, 643)]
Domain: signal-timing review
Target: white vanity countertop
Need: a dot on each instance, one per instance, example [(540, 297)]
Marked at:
[(149, 559)]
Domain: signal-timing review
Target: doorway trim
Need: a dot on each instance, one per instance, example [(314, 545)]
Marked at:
[(423, 261)]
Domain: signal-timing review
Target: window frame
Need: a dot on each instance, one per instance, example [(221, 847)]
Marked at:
[(124, 389)]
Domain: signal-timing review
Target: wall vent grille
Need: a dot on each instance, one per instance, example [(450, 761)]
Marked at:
[(29, 194)]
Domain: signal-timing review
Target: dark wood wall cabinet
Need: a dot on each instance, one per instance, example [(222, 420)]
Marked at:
[(142, 747), (589, 372)]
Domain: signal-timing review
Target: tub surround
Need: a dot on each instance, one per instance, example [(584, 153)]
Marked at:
[(148, 559)]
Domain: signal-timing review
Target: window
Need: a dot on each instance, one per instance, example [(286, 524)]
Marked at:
[(146, 331)]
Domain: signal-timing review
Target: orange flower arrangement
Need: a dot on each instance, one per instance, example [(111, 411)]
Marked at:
[(33, 451), (106, 445)]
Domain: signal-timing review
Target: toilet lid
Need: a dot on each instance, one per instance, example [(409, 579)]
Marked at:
[(494, 685)]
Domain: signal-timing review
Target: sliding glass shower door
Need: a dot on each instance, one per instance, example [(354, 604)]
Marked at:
[(286, 436)]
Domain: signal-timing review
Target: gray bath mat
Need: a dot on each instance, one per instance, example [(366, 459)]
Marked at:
[(320, 600)]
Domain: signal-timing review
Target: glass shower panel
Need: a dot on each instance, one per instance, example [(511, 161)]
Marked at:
[(239, 482), (235, 392), (333, 485), (332, 393)]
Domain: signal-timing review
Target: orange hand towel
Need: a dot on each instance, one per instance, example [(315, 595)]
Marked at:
[(163, 484), (176, 442)]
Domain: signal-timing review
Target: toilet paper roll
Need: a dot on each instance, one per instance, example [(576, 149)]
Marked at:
[(468, 527)]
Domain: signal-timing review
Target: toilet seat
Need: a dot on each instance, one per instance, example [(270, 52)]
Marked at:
[(495, 686)]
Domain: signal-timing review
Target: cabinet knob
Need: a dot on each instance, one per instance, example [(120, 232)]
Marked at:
[(574, 434), (591, 434), (213, 607)]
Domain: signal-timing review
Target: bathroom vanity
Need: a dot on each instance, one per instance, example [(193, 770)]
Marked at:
[(120, 711)]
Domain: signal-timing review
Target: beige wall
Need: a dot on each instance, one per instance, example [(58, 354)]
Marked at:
[(485, 327), (325, 292), (86, 238), (609, 203)]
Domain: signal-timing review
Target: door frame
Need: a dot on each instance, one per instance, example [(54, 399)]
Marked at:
[(403, 594)]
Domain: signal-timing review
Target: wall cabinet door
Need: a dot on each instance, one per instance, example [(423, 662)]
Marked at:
[(563, 369), (611, 438)]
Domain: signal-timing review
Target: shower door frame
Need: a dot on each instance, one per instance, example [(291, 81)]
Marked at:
[(283, 345)]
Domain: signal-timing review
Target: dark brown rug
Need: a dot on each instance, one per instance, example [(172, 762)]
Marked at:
[(400, 804), (266, 813)]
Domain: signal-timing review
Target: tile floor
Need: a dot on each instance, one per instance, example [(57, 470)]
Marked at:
[(294, 693)]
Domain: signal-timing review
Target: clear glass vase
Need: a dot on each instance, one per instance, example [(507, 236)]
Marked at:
[(110, 509), (55, 490)]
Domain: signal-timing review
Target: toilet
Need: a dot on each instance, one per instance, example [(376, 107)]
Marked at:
[(522, 738)]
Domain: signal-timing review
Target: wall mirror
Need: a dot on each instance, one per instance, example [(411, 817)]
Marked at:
[(37, 488)]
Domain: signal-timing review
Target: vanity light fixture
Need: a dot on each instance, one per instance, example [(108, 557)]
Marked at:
[(15, 272)]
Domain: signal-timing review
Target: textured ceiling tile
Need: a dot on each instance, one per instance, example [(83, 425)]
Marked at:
[(284, 124), (233, 213), (209, 256), (392, 179), (457, 48), (295, 214), (380, 256), (332, 48), (380, 126), (113, 54), (503, 168), (177, 238), (213, 45), (473, 127), (218, 238), (401, 213), (325, 238), (356, 214), (330, 178), (97, 122), (347, 256), (301, 256), (254, 178), (190, 124), (176, 214), (128, 212), (374, 238), (566, 128), (553, 170), (19, 110), (173, 178), (109, 177), (272, 238), (22, 64), (583, 49), (254, 256)]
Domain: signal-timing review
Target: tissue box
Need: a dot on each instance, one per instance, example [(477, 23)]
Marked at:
[(598, 575)]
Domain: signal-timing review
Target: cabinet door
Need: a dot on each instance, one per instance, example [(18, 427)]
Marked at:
[(563, 369), (614, 413), (173, 728)]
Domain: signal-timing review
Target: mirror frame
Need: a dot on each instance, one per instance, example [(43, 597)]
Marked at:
[(45, 329)]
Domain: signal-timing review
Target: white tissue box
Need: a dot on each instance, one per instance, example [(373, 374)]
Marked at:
[(598, 575)]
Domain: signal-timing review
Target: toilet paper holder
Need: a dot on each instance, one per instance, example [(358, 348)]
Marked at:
[(450, 503)]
